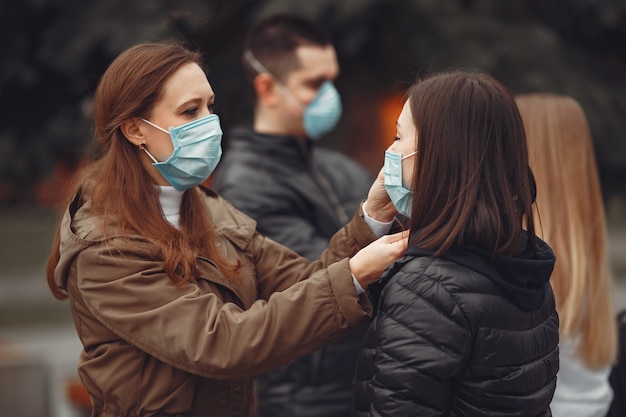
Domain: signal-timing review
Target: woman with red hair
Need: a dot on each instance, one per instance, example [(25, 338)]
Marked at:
[(178, 301)]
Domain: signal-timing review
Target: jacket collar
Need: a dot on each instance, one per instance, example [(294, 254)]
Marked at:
[(80, 229), (287, 148), (231, 223), (524, 278)]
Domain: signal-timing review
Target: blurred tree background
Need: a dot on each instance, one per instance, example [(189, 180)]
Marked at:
[(54, 52)]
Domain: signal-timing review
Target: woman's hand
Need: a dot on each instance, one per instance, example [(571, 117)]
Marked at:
[(379, 205), (370, 262)]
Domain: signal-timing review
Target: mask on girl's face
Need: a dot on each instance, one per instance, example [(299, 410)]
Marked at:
[(197, 151), (400, 195), (321, 115)]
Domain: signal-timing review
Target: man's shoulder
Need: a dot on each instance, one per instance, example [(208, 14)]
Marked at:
[(326, 152), (247, 151), (242, 164), (340, 165), (333, 156), (251, 182)]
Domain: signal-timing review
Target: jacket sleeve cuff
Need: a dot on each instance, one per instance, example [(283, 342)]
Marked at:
[(355, 309), (359, 230), (378, 228)]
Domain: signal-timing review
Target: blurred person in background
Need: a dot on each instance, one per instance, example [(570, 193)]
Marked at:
[(571, 218), (617, 377), (299, 194), (466, 324), (177, 299)]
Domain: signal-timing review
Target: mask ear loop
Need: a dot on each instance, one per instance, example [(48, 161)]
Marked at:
[(261, 69), (255, 63), (155, 126), (142, 147), (408, 156)]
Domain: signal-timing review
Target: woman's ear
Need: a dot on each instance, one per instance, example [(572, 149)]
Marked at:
[(133, 131), (266, 89)]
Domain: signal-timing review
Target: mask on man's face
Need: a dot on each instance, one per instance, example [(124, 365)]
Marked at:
[(321, 115)]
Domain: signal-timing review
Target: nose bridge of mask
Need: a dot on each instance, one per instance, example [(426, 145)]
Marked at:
[(189, 132), (326, 96), (186, 131)]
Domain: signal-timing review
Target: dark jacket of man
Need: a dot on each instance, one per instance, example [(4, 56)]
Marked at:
[(300, 195), (461, 335)]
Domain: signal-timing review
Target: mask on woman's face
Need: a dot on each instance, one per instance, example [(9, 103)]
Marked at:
[(197, 151), (321, 115), (400, 195)]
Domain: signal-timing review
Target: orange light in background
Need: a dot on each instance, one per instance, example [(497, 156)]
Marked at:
[(55, 190), (372, 126), (78, 396), (390, 109)]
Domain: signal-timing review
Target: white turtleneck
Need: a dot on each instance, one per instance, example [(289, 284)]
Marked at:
[(170, 199)]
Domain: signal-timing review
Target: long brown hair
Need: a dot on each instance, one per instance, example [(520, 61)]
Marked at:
[(472, 184), (571, 219), (120, 188)]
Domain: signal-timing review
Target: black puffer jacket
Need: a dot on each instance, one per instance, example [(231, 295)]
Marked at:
[(461, 336), (300, 195)]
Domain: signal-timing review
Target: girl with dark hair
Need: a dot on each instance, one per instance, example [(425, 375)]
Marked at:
[(466, 322), (177, 299)]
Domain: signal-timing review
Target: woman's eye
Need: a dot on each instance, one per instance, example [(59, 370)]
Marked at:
[(396, 138), (211, 107), (192, 111)]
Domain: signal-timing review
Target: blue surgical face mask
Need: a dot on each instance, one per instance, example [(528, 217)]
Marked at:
[(321, 115), (400, 195), (197, 151)]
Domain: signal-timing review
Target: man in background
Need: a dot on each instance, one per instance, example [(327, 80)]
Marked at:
[(299, 194)]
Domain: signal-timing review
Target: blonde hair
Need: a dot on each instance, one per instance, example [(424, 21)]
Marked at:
[(571, 218)]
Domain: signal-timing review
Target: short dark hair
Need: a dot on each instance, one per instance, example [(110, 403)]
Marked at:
[(472, 183), (274, 39)]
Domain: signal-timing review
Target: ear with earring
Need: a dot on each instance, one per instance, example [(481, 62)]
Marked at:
[(142, 146)]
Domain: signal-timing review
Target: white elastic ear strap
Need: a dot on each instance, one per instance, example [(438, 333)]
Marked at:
[(155, 126), (256, 64), (260, 68)]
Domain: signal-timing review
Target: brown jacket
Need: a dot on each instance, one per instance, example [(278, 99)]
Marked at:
[(154, 349)]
